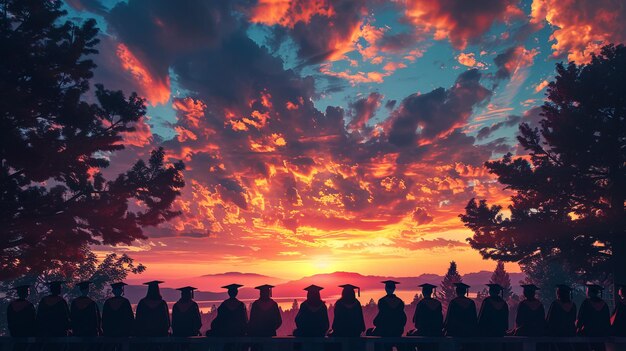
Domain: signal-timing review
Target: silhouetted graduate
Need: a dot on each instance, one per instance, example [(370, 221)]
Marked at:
[(186, 320), (561, 319), (461, 316), (232, 318), (21, 314), (153, 316), (84, 313), (117, 314), (594, 316), (348, 320), (531, 316), (618, 319), (493, 318), (428, 317), (265, 316), (391, 317), (312, 318), (53, 315)]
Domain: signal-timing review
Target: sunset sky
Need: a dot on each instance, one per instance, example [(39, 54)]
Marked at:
[(324, 135)]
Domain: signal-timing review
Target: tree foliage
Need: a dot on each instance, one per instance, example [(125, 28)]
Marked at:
[(501, 276), (570, 190), (56, 135), (447, 289)]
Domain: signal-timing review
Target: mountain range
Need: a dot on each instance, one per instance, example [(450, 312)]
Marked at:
[(209, 284)]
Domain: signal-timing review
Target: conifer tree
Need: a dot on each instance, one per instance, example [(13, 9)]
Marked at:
[(501, 276), (447, 290)]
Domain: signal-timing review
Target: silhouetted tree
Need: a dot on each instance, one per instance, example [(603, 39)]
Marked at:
[(54, 201), (569, 202), (447, 290), (501, 276)]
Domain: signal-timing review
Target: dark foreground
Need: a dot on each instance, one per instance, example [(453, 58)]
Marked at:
[(512, 343)]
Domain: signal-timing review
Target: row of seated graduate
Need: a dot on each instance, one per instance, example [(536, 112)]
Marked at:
[(53, 318)]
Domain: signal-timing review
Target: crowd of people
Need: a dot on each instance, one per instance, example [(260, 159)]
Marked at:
[(53, 317)]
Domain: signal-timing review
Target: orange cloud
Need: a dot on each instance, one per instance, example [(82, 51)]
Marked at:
[(288, 12), (544, 83), (157, 91), (581, 27), (458, 21), (469, 60)]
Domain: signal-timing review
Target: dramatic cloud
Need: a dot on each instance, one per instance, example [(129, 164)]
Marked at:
[(461, 22), (362, 110), (512, 60), (486, 132), (424, 117), (581, 27)]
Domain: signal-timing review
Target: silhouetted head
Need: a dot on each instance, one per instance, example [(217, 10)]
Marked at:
[(390, 286), (594, 290), (313, 293), (55, 287), (563, 293), (495, 290), (118, 288), (233, 290), (154, 293), (186, 293), (427, 289), (83, 287), (461, 289), (265, 291), (529, 290), (348, 292), (22, 291)]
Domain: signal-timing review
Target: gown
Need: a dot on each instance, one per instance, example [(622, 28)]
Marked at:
[(493, 318), (231, 319), (391, 317), (117, 317), (618, 319), (561, 319), (85, 317), (53, 317), (312, 319), (186, 319), (265, 318), (153, 318), (428, 318), (21, 318), (594, 318), (461, 318), (348, 320), (530, 319)]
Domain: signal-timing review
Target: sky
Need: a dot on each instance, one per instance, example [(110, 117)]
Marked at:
[(323, 135)]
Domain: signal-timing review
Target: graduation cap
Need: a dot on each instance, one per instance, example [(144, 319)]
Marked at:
[(530, 287), (232, 286), (496, 286), (84, 284), (265, 287), (118, 285), (461, 285), (154, 282), (427, 286), (189, 289), (21, 289), (313, 288), (352, 287), (391, 283)]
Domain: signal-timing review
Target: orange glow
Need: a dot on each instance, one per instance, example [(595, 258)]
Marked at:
[(287, 12), (156, 90)]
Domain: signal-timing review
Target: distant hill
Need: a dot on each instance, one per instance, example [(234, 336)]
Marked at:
[(209, 284)]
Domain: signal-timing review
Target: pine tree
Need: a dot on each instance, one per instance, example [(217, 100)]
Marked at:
[(447, 290), (501, 276), (294, 306)]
